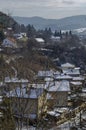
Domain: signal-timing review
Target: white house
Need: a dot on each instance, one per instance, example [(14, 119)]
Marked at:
[(23, 34), (55, 39), (9, 43), (67, 66), (18, 36), (40, 40)]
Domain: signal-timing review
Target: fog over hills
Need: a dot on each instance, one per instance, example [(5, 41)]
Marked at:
[(73, 22)]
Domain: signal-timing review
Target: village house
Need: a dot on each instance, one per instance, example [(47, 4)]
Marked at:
[(9, 44), (72, 72), (27, 103), (55, 114), (42, 74), (48, 73), (76, 90), (79, 79), (67, 66), (41, 41), (8, 31), (70, 69), (57, 94), (12, 83), (56, 38), (76, 86), (19, 36)]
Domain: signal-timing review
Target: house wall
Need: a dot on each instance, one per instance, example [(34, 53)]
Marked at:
[(29, 106), (59, 99), (42, 105), (76, 88), (13, 85), (24, 106)]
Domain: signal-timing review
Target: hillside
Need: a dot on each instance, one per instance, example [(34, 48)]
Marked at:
[(73, 22), (7, 21), (26, 63)]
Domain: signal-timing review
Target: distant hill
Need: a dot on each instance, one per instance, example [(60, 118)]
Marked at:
[(6, 20), (73, 22)]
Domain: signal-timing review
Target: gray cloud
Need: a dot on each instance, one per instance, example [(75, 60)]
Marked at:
[(68, 1), (44, 8)]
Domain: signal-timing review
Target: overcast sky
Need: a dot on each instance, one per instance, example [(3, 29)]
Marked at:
[(44, 8)]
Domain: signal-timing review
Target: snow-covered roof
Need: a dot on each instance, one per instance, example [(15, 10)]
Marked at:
[(84, 116), (64, 86), (56, 59), (15, 80), (35, 93), (82, 95), (37, 85), (48, 84), (48, 79), (59, 86), (30, 115), (1, 98), (21, 92), (1, 49), (76, 83), (17, 92), (17, 35), (56, 73), (1, 114), (73, 71), (67, 65), (61, 110), (9, 43), (46, 73), (84, 90), (55, 38), (53, 87), (1, 84), (78, 78), (9, 28), (44, 49), (40, 40), (53, 113), (62, 77)]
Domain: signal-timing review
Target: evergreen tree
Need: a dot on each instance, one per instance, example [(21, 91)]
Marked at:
[(16, 28), (47, 34), (56, 34), (22, 28), (70, 32), (31, 31), (32, 43), (49, 31), (2, 36)]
